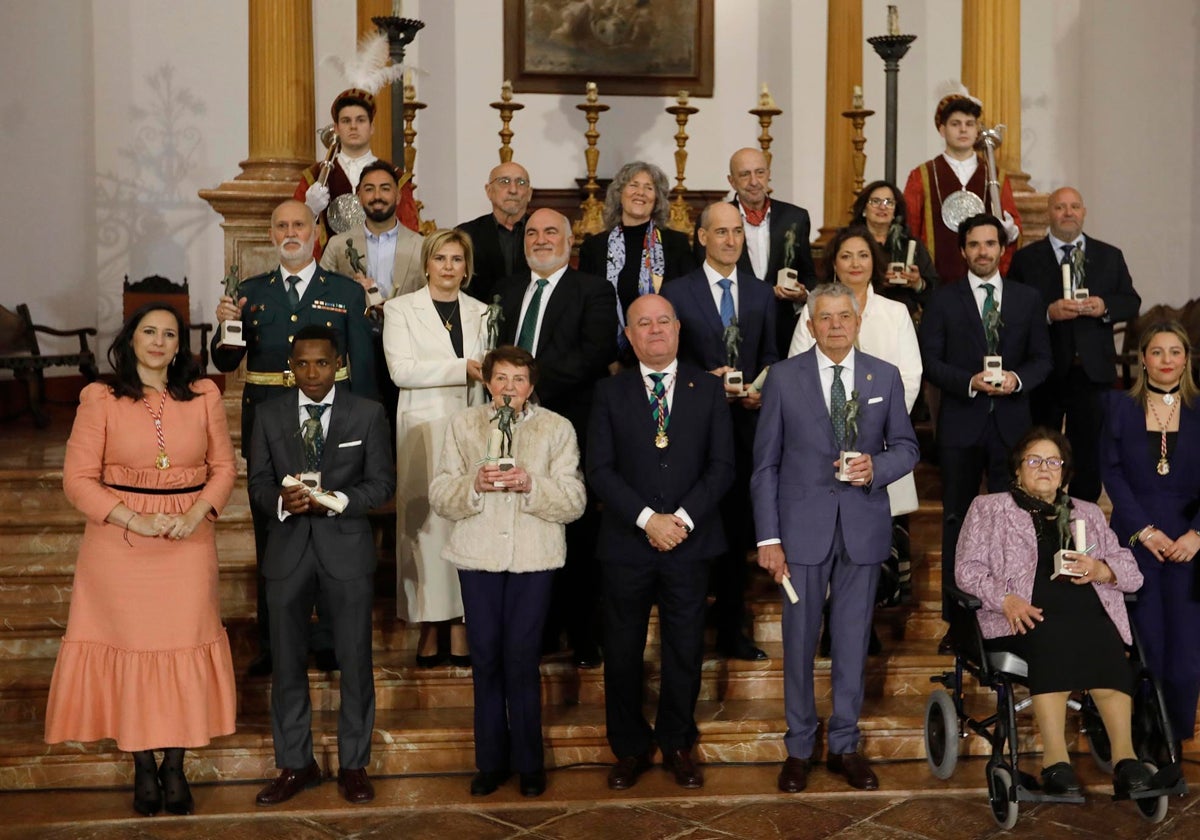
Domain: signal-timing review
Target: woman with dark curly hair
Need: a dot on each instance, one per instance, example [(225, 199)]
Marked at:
[(880, 208), (145, 659)]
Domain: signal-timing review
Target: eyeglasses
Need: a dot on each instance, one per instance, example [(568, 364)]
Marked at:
[(506, 181), (1052, 464), (881, 202)]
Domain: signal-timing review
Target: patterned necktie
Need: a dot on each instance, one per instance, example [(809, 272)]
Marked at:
[(314, 437), (659, 410), (991, 318), (727, 313), (1066, 260), (293, 294), (837, 407), (529, 325)]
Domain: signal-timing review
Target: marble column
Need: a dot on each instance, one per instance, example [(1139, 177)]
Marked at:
[(381, 137), (843, 70)]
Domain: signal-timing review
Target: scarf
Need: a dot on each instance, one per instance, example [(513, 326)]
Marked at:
[(756, 217), (1051, 520), (653, 262)]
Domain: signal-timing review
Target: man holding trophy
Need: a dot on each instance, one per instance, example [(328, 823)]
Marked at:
[(833, 433), (984, 343)]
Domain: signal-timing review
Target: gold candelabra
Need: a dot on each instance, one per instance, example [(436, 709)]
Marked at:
[(766, 112), (592, 219), (858, 118), (410, 108), (507, 108), (681, 215)]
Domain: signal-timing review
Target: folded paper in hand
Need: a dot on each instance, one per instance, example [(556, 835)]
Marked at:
[(323, 497)]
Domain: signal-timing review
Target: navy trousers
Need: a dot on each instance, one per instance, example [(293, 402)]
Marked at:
[(1168, 622)]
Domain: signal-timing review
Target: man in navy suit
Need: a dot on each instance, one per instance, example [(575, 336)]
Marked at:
[(1081, 331), (825, 534), (660, 458), (978, 420), (706, 301), (568, 321), (346, 439)]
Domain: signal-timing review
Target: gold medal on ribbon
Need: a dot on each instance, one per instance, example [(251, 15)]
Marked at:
[(660, 440), (161, 460)]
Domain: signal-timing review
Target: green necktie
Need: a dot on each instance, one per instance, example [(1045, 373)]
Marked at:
[(837, 407), (991, 318), (293, 295), (529, 325), (659, 409), (314, 437)]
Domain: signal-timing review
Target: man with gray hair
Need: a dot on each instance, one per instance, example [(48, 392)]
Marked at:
[(824, 525), (499, 236)]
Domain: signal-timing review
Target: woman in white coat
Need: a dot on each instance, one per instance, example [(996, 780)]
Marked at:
[(434, 341)]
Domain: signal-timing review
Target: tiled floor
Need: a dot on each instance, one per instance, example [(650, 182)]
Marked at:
[(737, 802)]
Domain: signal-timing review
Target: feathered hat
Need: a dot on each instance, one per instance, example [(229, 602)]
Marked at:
[(954, 96), (367, 73)]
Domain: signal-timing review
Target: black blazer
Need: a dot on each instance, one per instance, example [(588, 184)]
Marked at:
[(629, 473), (488, 258), (357, 460), (677, 255), (1107, 277), (952, 351), (577, 343)]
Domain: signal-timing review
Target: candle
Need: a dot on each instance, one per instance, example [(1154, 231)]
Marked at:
[(1080, 536), (408, 77), (893, 20), (592, 92), (1066, 274), (682, 97), (912, 252), (857, 101), (494, 445), (506, 90)]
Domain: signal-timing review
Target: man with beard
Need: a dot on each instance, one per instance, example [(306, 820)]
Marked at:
[(499, 236), (273, 307), (390, 258)]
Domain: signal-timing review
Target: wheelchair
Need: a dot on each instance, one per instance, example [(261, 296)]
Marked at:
[(947, 723)]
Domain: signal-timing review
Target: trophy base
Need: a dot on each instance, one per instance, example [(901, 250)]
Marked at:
[(506, 463), (788, 278), (993, 370), (1061, 558), (1081, 294), (311, 480), (896, 269), (735, 383), (229, 334), (843, 473), (373, 297)]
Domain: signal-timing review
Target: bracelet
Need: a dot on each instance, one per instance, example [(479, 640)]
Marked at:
[(1137, 536), (126, 534)]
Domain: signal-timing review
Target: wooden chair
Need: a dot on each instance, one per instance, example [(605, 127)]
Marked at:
[(158, 289), (1129, 334), (20, 353)]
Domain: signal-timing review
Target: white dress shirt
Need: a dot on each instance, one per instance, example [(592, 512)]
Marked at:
[(381, 258), (301, 416), (758, 242), (530, 290), (353, 167), (671, 372), (305, 274)]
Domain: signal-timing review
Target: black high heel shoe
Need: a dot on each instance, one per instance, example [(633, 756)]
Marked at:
[(147, 793), (177, 795)]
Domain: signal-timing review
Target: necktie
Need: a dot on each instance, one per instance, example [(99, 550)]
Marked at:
[(314, 437), (1066, 258), (727, 313), (529, 325), (659, 409), (991, 318), (293, 295), (837, 407)]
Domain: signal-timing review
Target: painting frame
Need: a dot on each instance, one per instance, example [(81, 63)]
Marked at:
[(522, 53)]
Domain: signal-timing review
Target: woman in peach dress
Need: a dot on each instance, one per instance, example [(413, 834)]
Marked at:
[(145, 659)]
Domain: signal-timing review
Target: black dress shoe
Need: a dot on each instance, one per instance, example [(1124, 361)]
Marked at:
[(260, 667), (739, 647), (147, 790), (486, 782), (793, 776), (587, 656), (680, 764), (354, 786), (177, 796), (1059, 780), (433, 660), (855, 768), (326, 660), (626, 771), (288, 783), (533, 784), (460, 660), (1131, 776)]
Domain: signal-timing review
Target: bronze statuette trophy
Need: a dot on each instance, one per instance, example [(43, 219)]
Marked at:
[(499, 449), (849, 453), (229, 334), (735, 384)]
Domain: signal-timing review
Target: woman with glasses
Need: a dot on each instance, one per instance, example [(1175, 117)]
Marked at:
[(1072, 628), (1150, 465), (880, 207)]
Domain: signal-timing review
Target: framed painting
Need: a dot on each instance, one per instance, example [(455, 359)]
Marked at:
[(627, 47)]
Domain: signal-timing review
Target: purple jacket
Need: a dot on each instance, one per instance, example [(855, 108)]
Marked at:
[(997, 555)]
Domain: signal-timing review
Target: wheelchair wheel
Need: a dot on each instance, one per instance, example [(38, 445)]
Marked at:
[(1000, 785), (941, 734), (1097, 737), (1154, 808)]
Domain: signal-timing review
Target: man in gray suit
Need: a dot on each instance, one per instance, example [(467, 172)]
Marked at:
[(821, 533), (344, 439)]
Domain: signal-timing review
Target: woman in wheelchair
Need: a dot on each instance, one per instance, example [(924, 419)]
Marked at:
[(1072, 629)]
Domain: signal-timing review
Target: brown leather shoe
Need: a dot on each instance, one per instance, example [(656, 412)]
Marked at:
[(354, 786), (626, 771), (288, 783), (793, 776), (855, 768), (680, 763)]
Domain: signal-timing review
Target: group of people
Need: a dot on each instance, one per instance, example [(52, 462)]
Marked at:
[(573, 447)]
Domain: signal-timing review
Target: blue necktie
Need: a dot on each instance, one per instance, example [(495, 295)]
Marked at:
[(727, 313), (314, 437)]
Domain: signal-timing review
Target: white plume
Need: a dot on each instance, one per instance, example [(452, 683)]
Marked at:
[(369, 69), (955, 87)]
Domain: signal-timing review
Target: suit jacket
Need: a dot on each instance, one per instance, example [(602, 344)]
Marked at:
[(952, 350), (356, 460), (1106, 277), (701, 342), (628, 473), (796, 496), (268, 323), (489, 259), (578, 340), (408, 274)]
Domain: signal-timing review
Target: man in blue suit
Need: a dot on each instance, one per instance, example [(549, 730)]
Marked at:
[(706, 301), (659, 456), (822, 533), (978, 421)]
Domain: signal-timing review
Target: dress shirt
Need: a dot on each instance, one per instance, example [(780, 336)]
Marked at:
[(301, 416), (381, 258), (305, 274), (758, 242), (964, 169), (717, 292), (668, 383), (353, 167), (552, 282)]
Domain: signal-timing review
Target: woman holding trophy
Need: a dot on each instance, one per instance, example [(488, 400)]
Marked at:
[(433, 340), (510, 493)]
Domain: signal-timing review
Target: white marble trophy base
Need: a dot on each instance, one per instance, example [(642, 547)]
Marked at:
[(229, 334), (896, 269), (735, 383), (1064, 562), (788, 278), (843, 473), (993, 370), (373, 297)]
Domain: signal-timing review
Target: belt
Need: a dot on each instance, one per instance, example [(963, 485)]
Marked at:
[(287, 379), (156, 491)]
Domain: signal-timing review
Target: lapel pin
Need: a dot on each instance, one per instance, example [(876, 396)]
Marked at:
[(869, 377), (691, 384)]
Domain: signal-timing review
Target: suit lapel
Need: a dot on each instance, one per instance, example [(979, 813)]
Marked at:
[(291, 420), (702, 297), (428, 320), (472, 326), (339, 420), (811, 392), (315, 286), (971, 316), (561, 297)]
